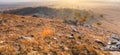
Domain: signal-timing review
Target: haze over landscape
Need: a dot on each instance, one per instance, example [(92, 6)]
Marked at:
[(111, 8), (66, 27)]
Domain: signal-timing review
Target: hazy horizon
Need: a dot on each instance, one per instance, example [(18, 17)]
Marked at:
[(60, 0), (67, 2)]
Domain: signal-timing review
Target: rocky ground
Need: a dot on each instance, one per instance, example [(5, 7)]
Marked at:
[(25, 35)]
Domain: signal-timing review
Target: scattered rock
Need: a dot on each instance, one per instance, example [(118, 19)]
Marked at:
[(70, 37), (118, 44), (113, 43), (75, 30), (1, 42), (26, 38), (55, 38), (100, 42), (3, 20), (115, 38), (29, 39), (88, 25), (111, 48)]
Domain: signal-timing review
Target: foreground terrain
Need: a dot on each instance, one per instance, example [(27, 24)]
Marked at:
[(26, 35)]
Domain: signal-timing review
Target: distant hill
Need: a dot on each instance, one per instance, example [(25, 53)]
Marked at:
[(62, 13)]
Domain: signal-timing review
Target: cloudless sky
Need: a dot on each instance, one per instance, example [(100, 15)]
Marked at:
[(15, 0), (51, 0)]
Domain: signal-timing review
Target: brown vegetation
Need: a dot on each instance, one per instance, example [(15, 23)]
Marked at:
[(31, 36)]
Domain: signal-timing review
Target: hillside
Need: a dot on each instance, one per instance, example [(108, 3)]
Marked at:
[(59, 27), (67, 14), (28, 35)]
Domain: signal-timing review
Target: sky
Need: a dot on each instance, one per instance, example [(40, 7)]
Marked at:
[(54, 0), (15, 0)]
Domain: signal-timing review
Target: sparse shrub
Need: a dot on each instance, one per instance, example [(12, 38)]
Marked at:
[(77, 14), (34, 16), (81, 20), (98, 23), (101, 16), (85, 16), (78, 18)]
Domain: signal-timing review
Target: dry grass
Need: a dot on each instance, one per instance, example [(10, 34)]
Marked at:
[(45, 36)]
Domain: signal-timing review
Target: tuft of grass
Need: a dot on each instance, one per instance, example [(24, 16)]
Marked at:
[(79, 18)]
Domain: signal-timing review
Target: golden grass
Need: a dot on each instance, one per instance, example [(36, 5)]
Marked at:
[(44, 39)]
